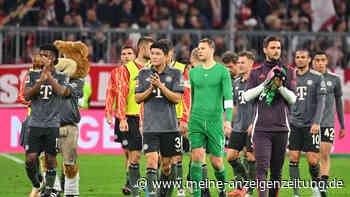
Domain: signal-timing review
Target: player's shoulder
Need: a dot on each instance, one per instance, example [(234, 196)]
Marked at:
[(180, 66), (34, 73), (332, 76), (258, 68), (174, 70), (78, 80), (194, 70), (117, 68), (221, 66), (316, 73), (60, 73), (145, 70), (237, 80)]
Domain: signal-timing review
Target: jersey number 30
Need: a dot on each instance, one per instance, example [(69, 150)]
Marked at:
[(45, 91)]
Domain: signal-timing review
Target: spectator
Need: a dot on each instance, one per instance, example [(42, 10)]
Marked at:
[(113, 12), (99, 47), (273, 23), (340, 8), (68, 21), (79, 8), (151, 10), (71, 37), (102, 11), (50, 15), (179, 21), (126, 12), (91, 20), (164, 11)]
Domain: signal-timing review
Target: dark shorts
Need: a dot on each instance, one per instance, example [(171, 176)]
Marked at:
[(132, 139), (301, 139), (42, 139), (23, 139), (185, 145), (168, 144), (327, 134), (238, 141)]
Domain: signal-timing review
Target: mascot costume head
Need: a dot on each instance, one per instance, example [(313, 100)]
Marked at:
[(74, 62)]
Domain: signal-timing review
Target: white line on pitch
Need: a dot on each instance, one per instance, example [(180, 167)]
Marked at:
[(15, 159)]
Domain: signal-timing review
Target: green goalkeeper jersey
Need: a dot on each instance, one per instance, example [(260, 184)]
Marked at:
[(211, 92)]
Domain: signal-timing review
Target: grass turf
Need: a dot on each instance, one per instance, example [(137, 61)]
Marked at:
[(104, 176)]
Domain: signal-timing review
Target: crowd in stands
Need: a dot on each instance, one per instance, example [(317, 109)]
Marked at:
[(99, 15)]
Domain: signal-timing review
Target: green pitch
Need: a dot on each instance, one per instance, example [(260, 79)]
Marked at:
[(104, 176)]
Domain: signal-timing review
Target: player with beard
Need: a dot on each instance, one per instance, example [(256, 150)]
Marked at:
[(127, 127), (334, 95), (160, 87), (270, 124), (115, 82)]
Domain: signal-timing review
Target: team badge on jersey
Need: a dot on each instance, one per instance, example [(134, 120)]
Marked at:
[(329, 83), (145, 146), (168, 79), (309, 82)]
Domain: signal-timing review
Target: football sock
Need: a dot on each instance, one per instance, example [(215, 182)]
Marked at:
[(196, 177), (294, 174), (239, 171), (221, 176), (32, 173), (134, 174), (151, 174)]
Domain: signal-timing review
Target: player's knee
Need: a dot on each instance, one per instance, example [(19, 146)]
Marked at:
[(70, 171), (217, 164), (135, 157), (232, 155), (197, 155), (30, 161), (325, 156), (313, 162), (294, 157), (51, 161), (251, 157)]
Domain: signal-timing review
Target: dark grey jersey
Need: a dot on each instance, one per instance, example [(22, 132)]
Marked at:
[(308, 108), (46, 104), (159, 112), (70, 110), (334, 91), (243, 117)]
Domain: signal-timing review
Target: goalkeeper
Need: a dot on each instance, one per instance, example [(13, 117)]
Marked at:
[(210, 85), (270, 124)]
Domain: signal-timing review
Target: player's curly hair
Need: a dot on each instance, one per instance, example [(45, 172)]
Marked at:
[(49, 47)]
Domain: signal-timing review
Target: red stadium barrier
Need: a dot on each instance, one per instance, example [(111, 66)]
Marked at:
[(96, 136)]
